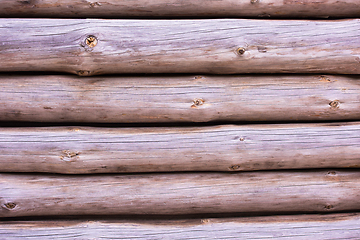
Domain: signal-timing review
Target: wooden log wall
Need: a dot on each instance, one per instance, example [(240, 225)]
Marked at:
[(266, 91)]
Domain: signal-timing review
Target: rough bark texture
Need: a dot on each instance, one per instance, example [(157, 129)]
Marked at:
[(220, 148), (184, 8), (221, 46), (179, 98), (329, 226), (193, 193)]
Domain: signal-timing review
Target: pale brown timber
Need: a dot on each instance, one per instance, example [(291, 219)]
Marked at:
[(222, 148), (179, 98), (181, 8), (329, 226), (220, 46), (182, 193)]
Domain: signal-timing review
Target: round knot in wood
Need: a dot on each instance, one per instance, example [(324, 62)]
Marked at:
[(234, 167), (329, 206), (334, 104), (91, 41), (83, 73), (241, 50), (197, 102), (10, 205)]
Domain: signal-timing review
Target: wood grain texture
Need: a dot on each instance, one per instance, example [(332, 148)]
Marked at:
[(219, 46), (181, 8), (221, 148), (179, 98), (329, 226), (192, 193)]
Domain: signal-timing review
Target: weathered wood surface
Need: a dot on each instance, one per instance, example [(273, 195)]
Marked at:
[(221, 46), (329, 226), (182, 8), (178, 98), (221, 148), (191, 193)]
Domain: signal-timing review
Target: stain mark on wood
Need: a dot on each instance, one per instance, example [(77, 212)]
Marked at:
[(262, 49)]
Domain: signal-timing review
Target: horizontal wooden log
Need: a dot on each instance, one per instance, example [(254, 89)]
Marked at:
[(192, 193), (220, 46), (178, 98), (221, 148), (181, 8), (329, 226)]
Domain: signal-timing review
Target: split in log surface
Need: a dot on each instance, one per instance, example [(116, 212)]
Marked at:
[(174, 194), (179, 98), (329, 226), (181, 8), (219, 46), (221, 148)]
